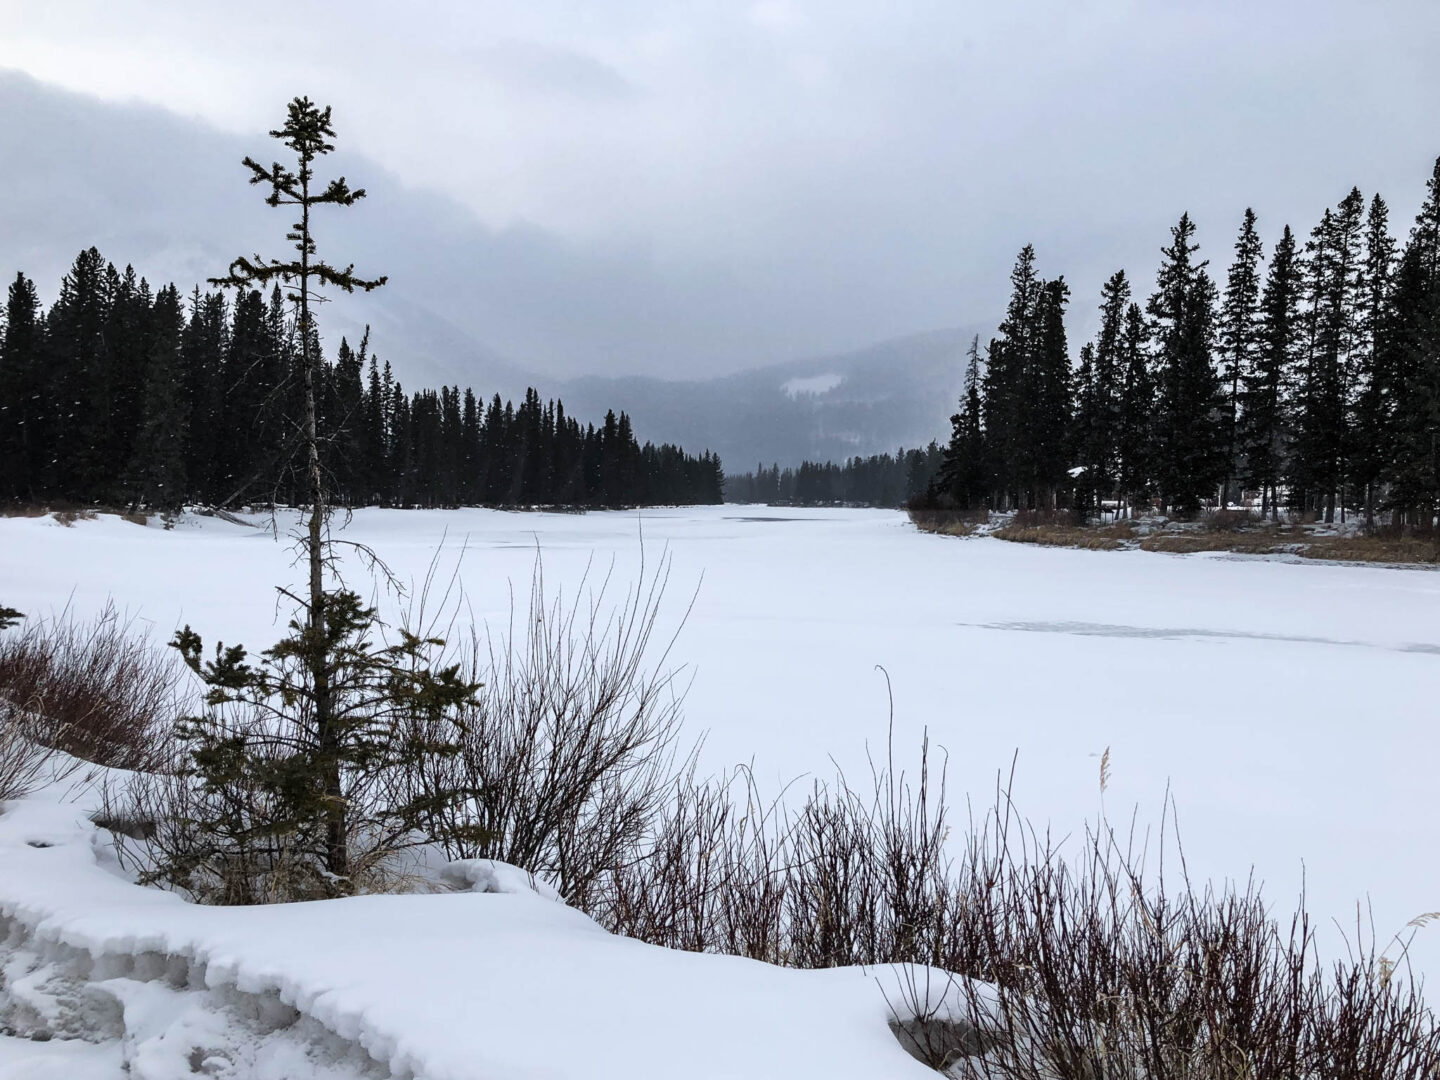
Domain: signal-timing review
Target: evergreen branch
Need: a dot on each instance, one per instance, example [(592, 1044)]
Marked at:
[(257, 271), (345, 279)]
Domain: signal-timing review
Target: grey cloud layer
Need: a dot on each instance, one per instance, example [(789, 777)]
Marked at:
[(700, 186)]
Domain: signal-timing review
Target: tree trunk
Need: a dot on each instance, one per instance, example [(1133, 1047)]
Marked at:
[(328, 738)]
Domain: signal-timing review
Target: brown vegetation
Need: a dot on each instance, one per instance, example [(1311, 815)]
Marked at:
[(947, 522), (1063, 536), (1235, 531), (99, 691), (1086, 962)]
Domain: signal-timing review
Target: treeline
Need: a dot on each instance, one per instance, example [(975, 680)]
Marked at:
[(877, 480), (124, 395), (1310, 381)]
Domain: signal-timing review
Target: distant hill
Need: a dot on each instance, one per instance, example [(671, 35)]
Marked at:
[(897, 393)]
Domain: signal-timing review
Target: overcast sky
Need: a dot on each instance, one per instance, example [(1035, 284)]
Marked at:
[(826, 174)]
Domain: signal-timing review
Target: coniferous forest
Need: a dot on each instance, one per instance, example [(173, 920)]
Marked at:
[(878, 480), (121, 394), (1307, 380)]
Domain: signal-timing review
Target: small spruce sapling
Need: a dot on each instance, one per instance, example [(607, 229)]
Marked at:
[(258, 759), (296, 781), (307, 134)]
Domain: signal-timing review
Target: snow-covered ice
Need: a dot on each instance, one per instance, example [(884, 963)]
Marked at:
[(1289, 707)]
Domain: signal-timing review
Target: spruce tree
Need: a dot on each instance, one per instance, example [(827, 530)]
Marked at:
[(962, 475), (1264, 431), (1190, 438), (157, 466), (1413, 363), (203, 350), (75, 356), (1239, 338), (1006, 408), (1135, 439), (306, 133), (1047, 396), (1099, 387), (1377, 393), (1332, 279), (22, 399), (1083, 437)]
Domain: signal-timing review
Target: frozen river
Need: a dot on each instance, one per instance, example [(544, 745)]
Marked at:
[(1292, 709)]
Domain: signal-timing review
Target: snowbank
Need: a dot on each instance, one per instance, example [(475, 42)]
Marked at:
[(501, 982)]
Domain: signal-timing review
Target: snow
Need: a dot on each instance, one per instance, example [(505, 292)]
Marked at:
[(813, 385), (449, 986), (1286, 707)]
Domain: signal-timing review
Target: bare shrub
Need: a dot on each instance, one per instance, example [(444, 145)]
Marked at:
[(569, 749), (1231, 519), (22, 760), (1065, 964), (100, 690), (847, 877)]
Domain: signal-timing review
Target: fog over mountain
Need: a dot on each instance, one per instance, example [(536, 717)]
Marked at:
[(898, 393), (669, 195), (688, 190), (465, 304)]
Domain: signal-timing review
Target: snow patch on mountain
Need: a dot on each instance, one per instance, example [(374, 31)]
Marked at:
[(812, 385)]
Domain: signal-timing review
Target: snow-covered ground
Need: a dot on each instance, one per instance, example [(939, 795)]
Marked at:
[(1289, 707), (467, 985)]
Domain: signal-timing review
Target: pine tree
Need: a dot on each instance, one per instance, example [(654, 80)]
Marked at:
[(203, 350), (1134, 443), (306, 133), (1190, 441), (961, 476), (77, 414), (1413, 362), (157, 465), (1083, 437), (1264, 435), (22, 398), (1048, 397), (1332, 279), (1239, 338), (1099, 386), (1006, 408), (1377, 394)]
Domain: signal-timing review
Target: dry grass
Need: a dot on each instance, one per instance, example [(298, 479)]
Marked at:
[(1235, 531), (69, 517), (948, 522), (1188, 543), (1378, 549), (1061, 536), (1053, 534), (953, 528), (1271, 540)]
